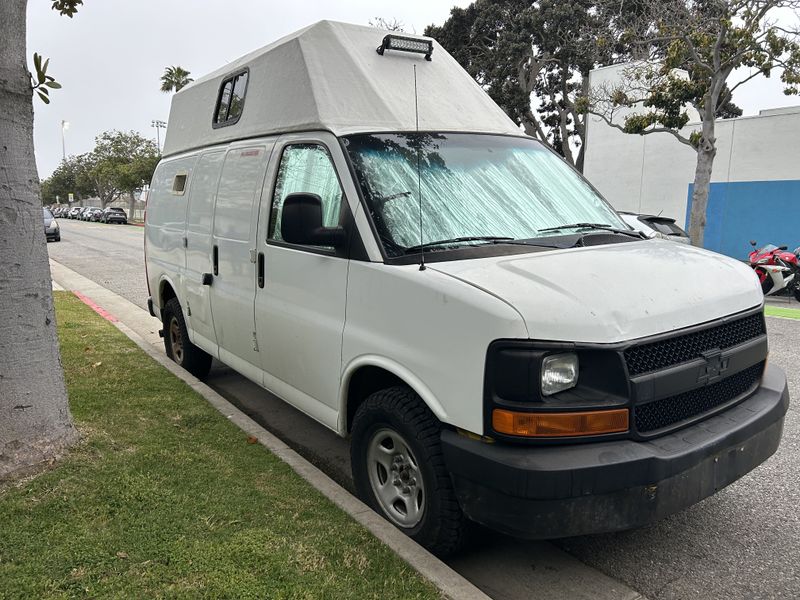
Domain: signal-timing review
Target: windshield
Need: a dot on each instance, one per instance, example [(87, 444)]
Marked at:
[(473, 186)]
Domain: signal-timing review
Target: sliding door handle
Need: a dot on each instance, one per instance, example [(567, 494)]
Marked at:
[(260, 269), (215, 259)]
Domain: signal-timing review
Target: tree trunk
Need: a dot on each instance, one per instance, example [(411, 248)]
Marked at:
[(35, 423), (131, 205), (706, 151)]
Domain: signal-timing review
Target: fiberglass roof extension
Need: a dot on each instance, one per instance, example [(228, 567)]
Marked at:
[(329, 76)]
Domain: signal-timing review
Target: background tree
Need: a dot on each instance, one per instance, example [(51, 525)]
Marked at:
[(72, 176), (175, 78), (35, 423), (387, 24), (709, 39), (534, 61), (120, 163)]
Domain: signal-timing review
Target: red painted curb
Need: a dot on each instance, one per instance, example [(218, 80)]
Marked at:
[(137, 224), (102, 312)]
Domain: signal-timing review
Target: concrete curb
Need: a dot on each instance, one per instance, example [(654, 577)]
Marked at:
[(450, 584)]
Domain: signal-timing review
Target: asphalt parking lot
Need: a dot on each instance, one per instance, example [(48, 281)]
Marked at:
[(741, 543)]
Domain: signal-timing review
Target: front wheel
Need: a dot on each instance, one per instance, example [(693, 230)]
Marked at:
[(399, 470), (177, 344)]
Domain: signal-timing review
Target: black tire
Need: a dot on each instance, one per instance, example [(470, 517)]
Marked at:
[(442, 528), (177, 344)]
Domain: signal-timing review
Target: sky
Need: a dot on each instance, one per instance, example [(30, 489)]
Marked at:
[(110, 56)]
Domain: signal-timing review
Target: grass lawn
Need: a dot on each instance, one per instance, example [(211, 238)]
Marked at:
[(778, 311), (164, 497)]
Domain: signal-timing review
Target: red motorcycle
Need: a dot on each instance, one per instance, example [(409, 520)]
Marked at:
[(777, 269)]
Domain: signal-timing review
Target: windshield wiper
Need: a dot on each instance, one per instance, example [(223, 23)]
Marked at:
[(601, 226), (458, 240)]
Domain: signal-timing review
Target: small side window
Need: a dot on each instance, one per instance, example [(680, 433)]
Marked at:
[(230, 101), (179, 184)]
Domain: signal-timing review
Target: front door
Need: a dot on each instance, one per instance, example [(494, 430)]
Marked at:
[(300, 310), (233, 283)]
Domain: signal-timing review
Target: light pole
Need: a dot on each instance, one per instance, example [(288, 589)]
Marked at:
[(64, 127), (159, 125)]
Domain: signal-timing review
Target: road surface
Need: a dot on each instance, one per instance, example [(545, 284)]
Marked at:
[(744, 542)]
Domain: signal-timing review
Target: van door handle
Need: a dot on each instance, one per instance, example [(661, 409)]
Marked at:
[(208, 278), (215, 260), (261, 269)]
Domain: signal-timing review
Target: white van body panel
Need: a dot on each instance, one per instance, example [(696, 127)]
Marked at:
[(199, 220), (614, 293), (166, 225), (235, 224), (430, 325)]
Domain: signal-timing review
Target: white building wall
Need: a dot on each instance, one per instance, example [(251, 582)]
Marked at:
[(652, 173)]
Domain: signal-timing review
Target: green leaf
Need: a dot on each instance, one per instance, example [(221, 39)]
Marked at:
[(37, 61), (44, 98), (43, 90), (45, 65), (53, 84)]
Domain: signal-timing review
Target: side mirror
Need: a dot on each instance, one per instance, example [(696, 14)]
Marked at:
[(301, 222), (753, 243)]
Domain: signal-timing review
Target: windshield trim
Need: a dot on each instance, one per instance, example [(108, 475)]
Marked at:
[(468, 251)]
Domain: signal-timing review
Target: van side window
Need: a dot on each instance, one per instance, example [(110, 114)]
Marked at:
[(306, 168), (230, 101), (179, 184)]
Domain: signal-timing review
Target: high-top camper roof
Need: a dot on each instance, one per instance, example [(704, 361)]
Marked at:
[(329, 76)]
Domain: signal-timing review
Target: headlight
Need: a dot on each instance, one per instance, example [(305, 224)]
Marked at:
[(559, 373)]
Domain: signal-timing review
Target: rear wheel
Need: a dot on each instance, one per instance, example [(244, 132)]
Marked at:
[(399, 470), (177, 344)]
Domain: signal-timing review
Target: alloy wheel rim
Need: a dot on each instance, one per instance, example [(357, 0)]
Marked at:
[(176, 340), (396, 478)]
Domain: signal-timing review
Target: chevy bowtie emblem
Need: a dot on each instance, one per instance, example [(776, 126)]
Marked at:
[(714, 368)]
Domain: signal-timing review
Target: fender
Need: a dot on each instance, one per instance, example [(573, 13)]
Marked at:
[(167, 279), (374, 360)]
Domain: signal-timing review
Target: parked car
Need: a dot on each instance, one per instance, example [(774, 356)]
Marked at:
[(512, 352), (113, 214), (51, 230), (94, 215), (86, 213), (656, 226), (75, 212)]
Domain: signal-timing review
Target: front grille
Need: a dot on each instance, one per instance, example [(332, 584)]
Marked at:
[(668, 411), (673, 351)]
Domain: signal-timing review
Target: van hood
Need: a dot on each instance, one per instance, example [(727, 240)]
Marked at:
[(613, 293)]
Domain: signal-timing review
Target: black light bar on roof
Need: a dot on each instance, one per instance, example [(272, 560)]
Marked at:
[(406, 44)]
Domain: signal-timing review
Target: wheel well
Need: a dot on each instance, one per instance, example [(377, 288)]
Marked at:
[(167, 294), (365, 382)]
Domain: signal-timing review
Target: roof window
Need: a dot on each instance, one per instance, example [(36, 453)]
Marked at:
[(230, 100)]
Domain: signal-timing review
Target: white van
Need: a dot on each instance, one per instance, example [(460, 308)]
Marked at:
[(367, 235)]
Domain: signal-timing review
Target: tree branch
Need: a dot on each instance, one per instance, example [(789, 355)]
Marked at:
[(675, 134)]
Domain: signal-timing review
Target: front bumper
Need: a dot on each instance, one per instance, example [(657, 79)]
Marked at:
[(559, 491)]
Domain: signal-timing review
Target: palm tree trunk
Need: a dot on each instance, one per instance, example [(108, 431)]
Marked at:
[(35, 423)]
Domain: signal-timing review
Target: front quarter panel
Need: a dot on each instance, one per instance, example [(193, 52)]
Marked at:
[(431, 330)]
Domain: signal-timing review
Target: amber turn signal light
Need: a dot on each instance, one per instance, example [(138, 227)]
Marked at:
[(560, 424)]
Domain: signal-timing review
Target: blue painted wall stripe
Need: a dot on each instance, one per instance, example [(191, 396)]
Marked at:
[(765, 211)]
